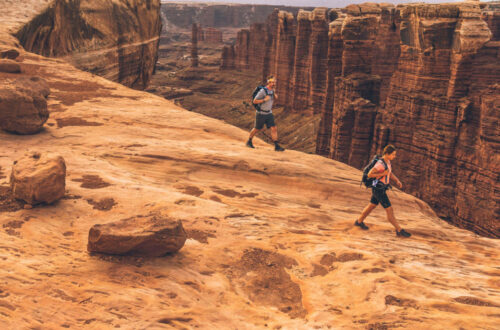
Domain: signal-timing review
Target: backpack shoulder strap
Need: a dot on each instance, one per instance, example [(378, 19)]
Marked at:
[(385, 165)]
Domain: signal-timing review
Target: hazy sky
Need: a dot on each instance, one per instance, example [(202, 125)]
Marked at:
[(310, 3)]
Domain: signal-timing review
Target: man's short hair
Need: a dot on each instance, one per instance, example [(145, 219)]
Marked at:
[(271, 79), (389, 149)]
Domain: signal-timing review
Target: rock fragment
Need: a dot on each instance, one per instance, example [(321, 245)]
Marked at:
[(38, 178), (153, 235), (23, 107)]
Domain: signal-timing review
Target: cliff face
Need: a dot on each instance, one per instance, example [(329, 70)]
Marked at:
[(207, 15), (212, 35), (117, 40), (433, 113), (419, 76)]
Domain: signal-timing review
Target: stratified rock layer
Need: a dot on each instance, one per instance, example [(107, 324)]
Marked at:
[(152, 236), (38, 178), (212, 35), (114, 39), (218, 15)]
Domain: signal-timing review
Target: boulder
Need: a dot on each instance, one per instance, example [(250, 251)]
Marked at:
[(23, 108), (9, 66), (153, 235), (38, 178)]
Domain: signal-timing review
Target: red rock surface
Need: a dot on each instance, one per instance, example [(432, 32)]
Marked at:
[(212, 35), (354, 113), (23, 107), (284, 59), (271, 241), (301, 82), (117, 40), (195, 34), (491, 15), (228, 58), (242, 49), (334, 70), (183, 15), (433, 111)]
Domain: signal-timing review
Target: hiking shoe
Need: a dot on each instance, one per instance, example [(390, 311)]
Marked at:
[(403, 233), (278, 148), (361, 225), (250, 144)]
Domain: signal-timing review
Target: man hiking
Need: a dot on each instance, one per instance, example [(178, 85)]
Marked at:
[(264, 101), (382, 173)]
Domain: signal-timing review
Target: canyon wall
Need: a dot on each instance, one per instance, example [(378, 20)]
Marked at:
[(422, 77), (114, 39), (217, 15), (212, 35)]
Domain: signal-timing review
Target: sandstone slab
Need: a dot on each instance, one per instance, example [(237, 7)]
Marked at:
[(38, 178), (153, 235)]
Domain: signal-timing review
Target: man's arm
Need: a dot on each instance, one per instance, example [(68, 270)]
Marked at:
[(261, 97)]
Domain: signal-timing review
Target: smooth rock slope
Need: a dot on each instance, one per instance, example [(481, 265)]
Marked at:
[(270, 237)]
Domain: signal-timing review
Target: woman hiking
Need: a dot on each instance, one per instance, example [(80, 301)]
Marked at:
[(382, 174)]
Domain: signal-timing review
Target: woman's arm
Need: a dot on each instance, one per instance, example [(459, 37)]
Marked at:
[(376, 173), (395, 178)]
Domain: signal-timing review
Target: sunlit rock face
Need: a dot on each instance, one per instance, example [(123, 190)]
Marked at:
[(117, 40)]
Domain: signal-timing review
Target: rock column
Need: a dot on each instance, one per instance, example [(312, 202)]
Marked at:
[(194, 46)]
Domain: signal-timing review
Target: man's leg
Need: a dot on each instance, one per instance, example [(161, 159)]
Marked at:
[(259, 124), (253, 132), (274, 135)]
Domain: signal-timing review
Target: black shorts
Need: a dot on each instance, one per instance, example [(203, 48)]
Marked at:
[(261, 119), (379, 195)]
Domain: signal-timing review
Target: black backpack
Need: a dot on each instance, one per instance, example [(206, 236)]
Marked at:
[(254, 94), (365, 179)]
